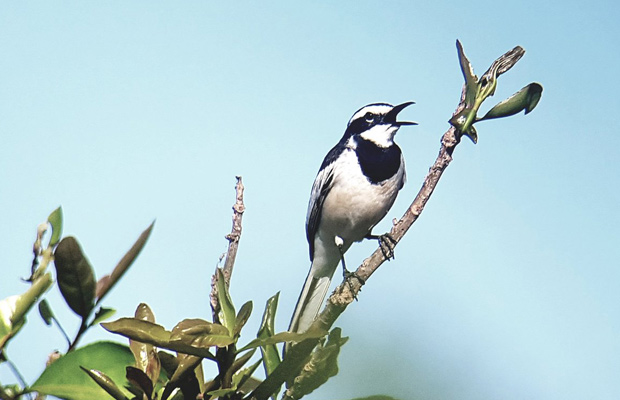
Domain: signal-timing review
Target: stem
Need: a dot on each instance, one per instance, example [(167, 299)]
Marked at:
[(235, 235), (16, 372), (225, 356), (83, 328), (62, 330), (233, 244)]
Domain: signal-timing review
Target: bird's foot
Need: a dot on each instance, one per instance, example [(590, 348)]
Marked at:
[(386, 244), (349, 276)]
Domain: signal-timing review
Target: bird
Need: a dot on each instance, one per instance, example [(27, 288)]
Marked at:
[(354, 189)]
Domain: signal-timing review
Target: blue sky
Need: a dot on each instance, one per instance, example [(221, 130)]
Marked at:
[(125, 112)]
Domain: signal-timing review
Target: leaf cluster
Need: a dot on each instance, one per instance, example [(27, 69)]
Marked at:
[(81, 291), (195, 340), (157, 363), (477, 90)]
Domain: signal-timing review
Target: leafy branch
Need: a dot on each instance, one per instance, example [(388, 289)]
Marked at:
[(76, 281)]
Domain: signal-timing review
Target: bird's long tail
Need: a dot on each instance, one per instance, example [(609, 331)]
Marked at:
[(310, 301)]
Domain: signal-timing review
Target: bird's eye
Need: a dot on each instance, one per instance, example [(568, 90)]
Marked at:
[(369, 117)]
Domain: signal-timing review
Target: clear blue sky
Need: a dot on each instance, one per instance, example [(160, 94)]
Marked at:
[(506, 288)]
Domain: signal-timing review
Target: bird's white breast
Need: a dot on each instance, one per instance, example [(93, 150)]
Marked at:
[(354, 206)]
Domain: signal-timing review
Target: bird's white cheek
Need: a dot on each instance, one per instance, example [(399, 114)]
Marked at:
[(381, 135)]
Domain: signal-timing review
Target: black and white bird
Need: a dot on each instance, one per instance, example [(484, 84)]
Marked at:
[(354, 189)]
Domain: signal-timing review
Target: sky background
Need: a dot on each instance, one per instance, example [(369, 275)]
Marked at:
[(506, 287)]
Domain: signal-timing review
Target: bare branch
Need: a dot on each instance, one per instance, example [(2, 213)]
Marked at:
[(343, 296), (233, 243), (235, 234)]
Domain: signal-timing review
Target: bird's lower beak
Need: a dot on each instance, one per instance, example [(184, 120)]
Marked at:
[(391, 116)]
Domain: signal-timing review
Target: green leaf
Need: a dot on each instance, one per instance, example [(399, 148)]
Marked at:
[(242, 376), (472, 134), (46, 312), (107, 282), (55, 220), (237, 365), (322, 366), (199, 333), (283, 337), (105, 383), (146, 354), (140, 380), (143, 312), (505, 62), (64, 379), (226, 314), (525, 99), (142, 331), (13, 309), (471, 80), (141, 350), (271, 355), (102, 314), (242, 317), (147, 332), (184, 377), (170, 363), (75, 276)]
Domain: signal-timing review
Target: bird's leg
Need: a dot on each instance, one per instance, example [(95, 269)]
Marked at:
[(345, 272), (386, 243)]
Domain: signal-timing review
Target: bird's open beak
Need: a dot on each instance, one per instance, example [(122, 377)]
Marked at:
[(391, 116)]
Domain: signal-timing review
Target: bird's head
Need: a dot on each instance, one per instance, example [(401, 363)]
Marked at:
[(377, 123)]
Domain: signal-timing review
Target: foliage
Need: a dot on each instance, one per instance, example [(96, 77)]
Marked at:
[(142, 370), (83, 295), (64, 379), (476, 91)]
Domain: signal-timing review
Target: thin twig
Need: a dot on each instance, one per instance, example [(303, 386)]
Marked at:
[(225, 356), (233, 244), (235, 234), (78, 336), (16, 372), (62, 330)]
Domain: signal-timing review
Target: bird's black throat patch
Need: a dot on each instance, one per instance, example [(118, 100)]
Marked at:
[(378, 163)]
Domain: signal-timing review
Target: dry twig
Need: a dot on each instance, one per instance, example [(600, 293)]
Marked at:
[(233, 244)]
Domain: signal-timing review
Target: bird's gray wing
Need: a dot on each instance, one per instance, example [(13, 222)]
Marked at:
[(321, 187), (404, 180)]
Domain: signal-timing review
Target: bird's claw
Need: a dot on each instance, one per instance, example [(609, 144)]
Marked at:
[(386, 244), (348, 276), (345, 272)]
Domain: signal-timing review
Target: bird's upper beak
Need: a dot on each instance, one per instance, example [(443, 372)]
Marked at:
[(391, 116)]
